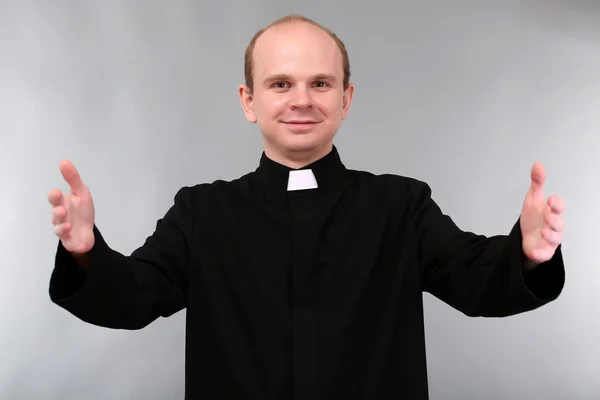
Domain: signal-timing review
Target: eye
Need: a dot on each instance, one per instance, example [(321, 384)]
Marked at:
[(322, 84), (279, 85)]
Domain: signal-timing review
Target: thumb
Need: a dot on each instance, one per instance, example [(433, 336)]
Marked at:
[(538, 177), (71, 175)]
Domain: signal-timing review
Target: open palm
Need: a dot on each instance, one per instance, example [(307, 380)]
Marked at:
[(73, 213), (542, 221)]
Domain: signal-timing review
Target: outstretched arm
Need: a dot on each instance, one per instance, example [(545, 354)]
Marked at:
[(493, 276)]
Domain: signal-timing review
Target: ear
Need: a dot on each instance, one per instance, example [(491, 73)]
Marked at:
[(246, 100), (347, 100)]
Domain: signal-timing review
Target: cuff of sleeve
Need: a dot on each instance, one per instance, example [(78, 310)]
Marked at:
[(67, 277), (545, 281)]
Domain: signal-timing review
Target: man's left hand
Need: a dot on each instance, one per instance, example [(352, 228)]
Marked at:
[(542, 222)]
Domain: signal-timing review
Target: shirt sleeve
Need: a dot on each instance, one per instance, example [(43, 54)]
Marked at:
[(129, 292), (475, 274)]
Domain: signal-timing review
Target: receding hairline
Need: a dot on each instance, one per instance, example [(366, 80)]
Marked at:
[(287, 19)]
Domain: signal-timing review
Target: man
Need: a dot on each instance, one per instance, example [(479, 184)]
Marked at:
[(303, 279)]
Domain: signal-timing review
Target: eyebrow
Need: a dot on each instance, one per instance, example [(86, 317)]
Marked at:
[(285, 77)]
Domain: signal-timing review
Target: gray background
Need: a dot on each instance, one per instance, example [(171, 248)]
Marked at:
[(141, 96)]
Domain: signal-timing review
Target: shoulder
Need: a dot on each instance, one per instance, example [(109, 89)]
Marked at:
[(392, 185), (389, 186), (191, 201), (210, 191)]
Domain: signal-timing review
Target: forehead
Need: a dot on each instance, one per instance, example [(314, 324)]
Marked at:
[(296, 49)]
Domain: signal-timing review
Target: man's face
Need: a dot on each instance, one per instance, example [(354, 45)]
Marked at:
[(299, 100)]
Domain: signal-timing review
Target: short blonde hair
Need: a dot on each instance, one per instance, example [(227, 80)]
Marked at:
[(293, 18)]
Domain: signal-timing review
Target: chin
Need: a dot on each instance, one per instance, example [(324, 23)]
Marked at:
[(283, 141), (306, 142)]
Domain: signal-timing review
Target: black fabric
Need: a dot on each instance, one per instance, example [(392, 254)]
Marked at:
[(312, 294)]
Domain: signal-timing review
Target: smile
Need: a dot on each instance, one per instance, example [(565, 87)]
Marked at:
[(300, 126)]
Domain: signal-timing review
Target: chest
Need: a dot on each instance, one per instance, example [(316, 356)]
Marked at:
[(314, 246)]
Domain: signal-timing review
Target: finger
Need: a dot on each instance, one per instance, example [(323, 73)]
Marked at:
[(55, 197), (538, 177), (555, 222), (71, 175), (557, 204), (553, 238), (544, 254), (62, 230), (59, 215)]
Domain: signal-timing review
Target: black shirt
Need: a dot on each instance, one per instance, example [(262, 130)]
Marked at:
[(305, 294)]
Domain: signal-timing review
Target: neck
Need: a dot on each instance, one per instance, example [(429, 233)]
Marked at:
[(298, 159)]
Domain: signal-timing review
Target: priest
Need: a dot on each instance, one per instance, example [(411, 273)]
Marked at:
[(303, 279)]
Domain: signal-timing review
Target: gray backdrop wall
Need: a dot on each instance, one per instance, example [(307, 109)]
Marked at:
[(141, 96)]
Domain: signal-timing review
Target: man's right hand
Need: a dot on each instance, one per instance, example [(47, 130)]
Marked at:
[(73, 214)]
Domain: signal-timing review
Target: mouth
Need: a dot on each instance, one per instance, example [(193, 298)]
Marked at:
[(300, 126)]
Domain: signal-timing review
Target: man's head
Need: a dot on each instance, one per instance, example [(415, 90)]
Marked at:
[(297, 88)]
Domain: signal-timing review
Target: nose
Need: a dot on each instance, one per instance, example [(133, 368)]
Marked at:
[(301, 98)]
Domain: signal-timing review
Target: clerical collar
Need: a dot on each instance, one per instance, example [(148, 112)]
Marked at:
[(325, 172)]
